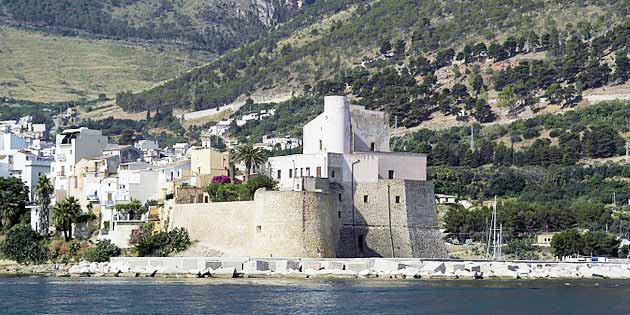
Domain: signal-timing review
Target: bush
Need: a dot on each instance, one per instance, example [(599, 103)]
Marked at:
[(522, 248), (24, 245), (103, 251), (164, 243)]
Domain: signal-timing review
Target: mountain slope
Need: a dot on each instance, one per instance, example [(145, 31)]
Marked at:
[(50, 68), (213, 25), (339, 47)]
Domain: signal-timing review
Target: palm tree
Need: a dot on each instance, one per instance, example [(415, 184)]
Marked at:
[(252, 157), (43, 193), (65, 213)]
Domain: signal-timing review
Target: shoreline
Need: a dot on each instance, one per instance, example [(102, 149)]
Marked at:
[(325, 268)]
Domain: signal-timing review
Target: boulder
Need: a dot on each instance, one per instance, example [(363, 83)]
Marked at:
[(253, 266), (356, 266), (223, 272), (385, 266)]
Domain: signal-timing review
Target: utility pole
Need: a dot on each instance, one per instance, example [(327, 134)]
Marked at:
[(497, 237)]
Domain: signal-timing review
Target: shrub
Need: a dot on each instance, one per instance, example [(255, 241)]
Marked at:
[(164, 243), (103, 251), (24, 245)]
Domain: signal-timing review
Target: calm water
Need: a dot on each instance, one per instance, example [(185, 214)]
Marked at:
[(40, 295)]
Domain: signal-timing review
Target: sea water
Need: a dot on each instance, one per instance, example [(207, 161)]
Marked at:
[(44, 295)]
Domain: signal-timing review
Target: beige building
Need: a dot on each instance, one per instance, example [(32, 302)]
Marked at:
[(544, 239), (206, 163)]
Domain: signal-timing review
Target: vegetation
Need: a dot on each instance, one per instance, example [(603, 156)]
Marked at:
[(404, 81), (43, 195), (213, 26), (68, 212), (134, 208), (593, 132), (572, 242), (24, 245), (51, 68), (162, 244), (102, 252), (222, 192), (252, 157), (13, 199)]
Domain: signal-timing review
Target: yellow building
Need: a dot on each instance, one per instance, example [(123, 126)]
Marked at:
[(207, 163)]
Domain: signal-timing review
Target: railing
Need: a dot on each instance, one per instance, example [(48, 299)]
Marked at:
[(129, 217), (92, 198)]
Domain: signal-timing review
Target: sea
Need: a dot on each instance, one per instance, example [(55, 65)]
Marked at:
[(46, 295)]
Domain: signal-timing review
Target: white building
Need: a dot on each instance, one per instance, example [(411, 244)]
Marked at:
[(145, 145), (17, 161), (345, 144), (71, 146), (284, 143)]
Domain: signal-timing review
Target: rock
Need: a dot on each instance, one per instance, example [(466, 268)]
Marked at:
[(223, 272), (356, 266), (312, 265), (367, 273), (334, 265), (385, 266), (253, 266)]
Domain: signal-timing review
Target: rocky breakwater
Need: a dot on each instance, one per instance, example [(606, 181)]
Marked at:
[(378, 268)]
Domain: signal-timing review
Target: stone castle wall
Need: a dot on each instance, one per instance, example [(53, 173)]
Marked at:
[(392, 218), (290, 224), (397, 219)]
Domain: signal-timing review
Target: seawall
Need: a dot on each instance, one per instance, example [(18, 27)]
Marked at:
[(380, 268)]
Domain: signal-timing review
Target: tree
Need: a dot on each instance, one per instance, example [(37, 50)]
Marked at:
[(13, 199), (66, 213), (386, 47), (622, 69), (566, 243), (43, 194), (252, 157), (24, 245)]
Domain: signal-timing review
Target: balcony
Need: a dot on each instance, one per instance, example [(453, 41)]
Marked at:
[(126, 217)]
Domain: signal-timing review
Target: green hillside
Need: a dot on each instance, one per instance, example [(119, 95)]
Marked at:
[(415, 58), (214, 25), (49, 68)]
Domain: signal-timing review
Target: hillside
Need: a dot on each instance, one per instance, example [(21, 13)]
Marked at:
[(415, 59), (214, 26), (49, 68)]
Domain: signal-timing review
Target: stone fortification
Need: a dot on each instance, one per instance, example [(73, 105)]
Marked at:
[(391, 218), (295, 223)]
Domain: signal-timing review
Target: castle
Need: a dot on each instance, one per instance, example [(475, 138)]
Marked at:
[(347, 195)]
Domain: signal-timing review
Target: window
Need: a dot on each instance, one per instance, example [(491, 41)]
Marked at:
[(205, 199), (365, 198), (332, 174), (391, 174), (397, 199), (280, 174), (290, 174), (339, 197), (308, 172), (360, 241), (258, 228), (338, 214), (372, 146), (301, 172), (321, 145), (318, 171)]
